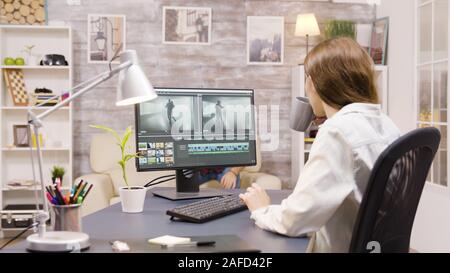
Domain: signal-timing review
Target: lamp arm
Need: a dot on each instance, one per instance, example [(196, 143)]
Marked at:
[(71, 91)]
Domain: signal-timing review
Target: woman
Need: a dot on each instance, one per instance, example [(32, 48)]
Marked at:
[(341, 86)]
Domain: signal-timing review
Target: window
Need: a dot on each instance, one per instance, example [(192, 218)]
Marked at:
[(432, 77)]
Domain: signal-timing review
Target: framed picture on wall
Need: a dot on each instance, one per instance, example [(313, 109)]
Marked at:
[(21, 135), (186, 25), (106, 34), (379, 41), (265, 40)]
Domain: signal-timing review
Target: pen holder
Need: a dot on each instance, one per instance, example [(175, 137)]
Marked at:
[(66, 217)]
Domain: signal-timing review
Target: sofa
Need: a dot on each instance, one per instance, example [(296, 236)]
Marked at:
[(106, 175)]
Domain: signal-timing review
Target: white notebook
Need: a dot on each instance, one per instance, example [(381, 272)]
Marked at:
[(168, 240)]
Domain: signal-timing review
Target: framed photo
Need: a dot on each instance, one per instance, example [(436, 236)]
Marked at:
[(265, 40), (106, 34), (21, 135), (379, 40), (186, 25)]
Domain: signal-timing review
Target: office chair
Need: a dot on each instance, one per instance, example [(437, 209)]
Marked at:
[(389, 206)]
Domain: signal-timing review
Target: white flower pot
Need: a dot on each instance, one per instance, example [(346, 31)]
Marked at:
[(132, 199)]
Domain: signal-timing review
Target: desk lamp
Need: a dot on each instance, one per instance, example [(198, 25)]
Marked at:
[(133, 88), (307, 26)]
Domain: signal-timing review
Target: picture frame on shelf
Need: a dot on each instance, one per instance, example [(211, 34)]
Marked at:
[(265, 40), (15, 84), (106, 33), (21, 135), (186, 25), (379, 41)]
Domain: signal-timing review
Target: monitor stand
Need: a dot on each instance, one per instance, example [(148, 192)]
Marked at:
[(188, 187)]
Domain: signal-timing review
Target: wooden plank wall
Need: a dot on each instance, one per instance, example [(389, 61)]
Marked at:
[(220, 65)]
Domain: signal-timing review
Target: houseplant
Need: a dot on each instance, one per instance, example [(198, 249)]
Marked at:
[(58, 172), (132, 197), (340, 28)]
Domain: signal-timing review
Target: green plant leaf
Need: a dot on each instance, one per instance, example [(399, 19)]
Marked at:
[(121, 163), (126, 136), (128, 157), (107, 129), (340, 28), (58, 171), (121, 142)]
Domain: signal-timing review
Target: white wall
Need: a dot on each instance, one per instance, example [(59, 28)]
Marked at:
[(431, 231), (400, 60)]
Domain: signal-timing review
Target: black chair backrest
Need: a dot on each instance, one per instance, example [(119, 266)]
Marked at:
[(389, 206)]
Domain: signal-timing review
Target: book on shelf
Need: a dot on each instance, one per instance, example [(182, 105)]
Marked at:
[(48, 99), (21, 184)]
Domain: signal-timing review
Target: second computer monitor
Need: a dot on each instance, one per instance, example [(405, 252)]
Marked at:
[(196, 128)]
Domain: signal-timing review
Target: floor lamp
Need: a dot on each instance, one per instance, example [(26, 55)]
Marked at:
[(133, 87), (307, 26)]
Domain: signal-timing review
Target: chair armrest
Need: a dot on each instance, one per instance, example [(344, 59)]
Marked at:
[(266, 181), (100, 194)]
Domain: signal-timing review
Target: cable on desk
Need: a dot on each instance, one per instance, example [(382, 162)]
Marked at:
[(18, 235), (158, 178), (159, 182), (172, 176)]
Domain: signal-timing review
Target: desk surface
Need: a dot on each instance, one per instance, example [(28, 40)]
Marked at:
[(111, 224)]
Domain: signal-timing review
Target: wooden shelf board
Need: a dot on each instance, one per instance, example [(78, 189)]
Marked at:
[(35, 67), (28, 149)]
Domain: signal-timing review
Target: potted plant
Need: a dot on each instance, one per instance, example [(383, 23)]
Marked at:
[(132, 197), (58, 172), (340, 28)]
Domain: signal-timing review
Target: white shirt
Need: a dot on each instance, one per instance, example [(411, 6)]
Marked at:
[(330, 188)]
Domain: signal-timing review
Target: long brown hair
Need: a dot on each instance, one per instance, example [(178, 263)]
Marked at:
[(342, 73)]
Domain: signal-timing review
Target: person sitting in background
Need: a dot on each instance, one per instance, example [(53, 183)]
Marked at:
[(228, 178)]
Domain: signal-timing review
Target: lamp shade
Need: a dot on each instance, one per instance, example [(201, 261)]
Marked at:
[(307, 25), (133, 87)]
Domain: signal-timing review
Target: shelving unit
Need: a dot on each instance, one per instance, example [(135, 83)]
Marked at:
[(301, 146), (15, 162), (26, 67)]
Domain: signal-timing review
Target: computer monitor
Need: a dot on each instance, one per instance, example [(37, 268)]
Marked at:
[(188, 130)]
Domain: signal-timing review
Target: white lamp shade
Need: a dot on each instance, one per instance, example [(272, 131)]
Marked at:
[(133, 87), (307, 25)]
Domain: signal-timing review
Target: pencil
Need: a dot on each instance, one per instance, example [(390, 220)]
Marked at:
[(47, 188), (51, 191), (80, 189), (77, 191), (88, 190), (67, 198), (59, 196)]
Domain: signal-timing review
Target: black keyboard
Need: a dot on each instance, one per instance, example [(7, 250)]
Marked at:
[(208, 209)]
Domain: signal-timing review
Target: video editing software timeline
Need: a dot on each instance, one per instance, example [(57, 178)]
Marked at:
[(192, 128)]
